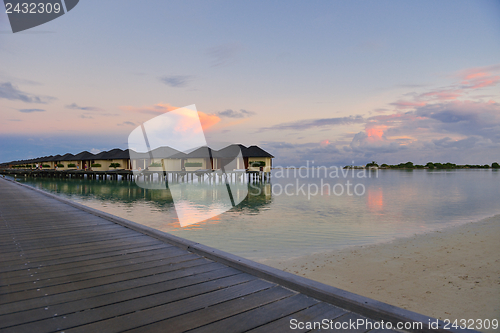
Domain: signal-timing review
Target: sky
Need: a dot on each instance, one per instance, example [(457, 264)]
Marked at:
[(334, 82)]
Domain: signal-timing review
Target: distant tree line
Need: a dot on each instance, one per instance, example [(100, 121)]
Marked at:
[(429, 165)]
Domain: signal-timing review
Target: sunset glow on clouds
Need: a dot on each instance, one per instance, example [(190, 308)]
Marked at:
[(375, 133), (437, 115), (433, 120), (470, 81), (479, 79), (155, 109), (207, 120), (424, 92)]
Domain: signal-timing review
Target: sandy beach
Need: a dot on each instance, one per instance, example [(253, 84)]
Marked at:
[(449, 274)]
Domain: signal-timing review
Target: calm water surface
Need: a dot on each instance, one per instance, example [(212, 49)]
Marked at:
[(272, 225)]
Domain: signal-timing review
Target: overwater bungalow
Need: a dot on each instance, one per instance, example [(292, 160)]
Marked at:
[(257, 159), (252, 158), (52, 161), (230, 158), (31, 163), (161, 158), (66, 162), (201, 158), (82, 160), (115, 159)]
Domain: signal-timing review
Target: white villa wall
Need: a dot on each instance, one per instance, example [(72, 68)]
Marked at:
[(203, 162)]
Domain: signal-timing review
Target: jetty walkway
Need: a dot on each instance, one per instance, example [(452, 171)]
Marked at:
[(208, 175), (67, 268)]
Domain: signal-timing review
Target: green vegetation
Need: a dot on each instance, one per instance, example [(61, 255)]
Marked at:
[(115, 165), (193, 164), (95, 165), (257, 164), (429, 165), (45, 166), (432, 166), (60, 165), (72, 165), (157, 164)]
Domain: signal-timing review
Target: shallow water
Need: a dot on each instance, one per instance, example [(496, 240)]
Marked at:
[(270, 224)]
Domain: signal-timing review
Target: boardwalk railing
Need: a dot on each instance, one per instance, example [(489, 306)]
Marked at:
[(210, 176)]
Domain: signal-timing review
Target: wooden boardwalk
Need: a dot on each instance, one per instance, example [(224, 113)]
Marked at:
[(144, 175), (65, 269)]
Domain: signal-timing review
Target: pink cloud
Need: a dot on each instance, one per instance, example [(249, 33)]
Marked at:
[(375, 133), (475, 75), (468, 80), (150, 109), (206, 120), (437, 119), (484, 82), (442, 95), (476, 78), (407, 104)]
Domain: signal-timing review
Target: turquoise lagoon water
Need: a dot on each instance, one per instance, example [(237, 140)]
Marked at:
[(270, 224)]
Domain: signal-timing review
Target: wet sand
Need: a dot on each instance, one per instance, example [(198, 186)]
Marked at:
[(449, 274)]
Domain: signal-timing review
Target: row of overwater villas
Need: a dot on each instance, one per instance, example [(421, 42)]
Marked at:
[(251, 158)]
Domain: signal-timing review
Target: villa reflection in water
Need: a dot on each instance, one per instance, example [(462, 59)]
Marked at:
[(252, 197)]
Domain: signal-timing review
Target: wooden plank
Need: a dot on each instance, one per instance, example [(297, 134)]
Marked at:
[(137, 318), (35, 315), (37, 283), (31, 265), (82, 248), (216, 312), (37, 206), (27, 219), (25, 229), (110, 310), (64, 288), (53, 273), (63, 252), (73, 240), (177, 271), (82, 243), (42, 217), (86, 222), (257, 317), (35, 239), (75, 265), (40, 233), (316, 313)]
